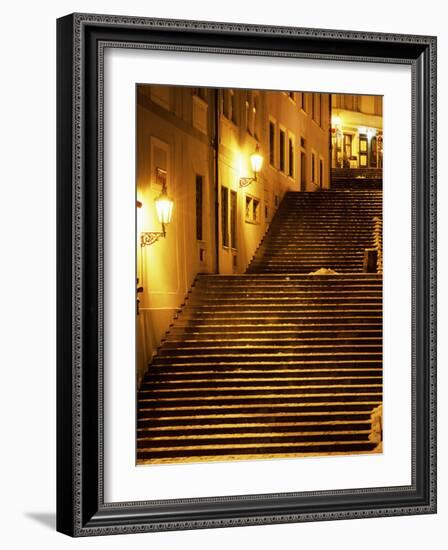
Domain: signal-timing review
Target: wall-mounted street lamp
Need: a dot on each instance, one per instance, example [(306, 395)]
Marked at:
[(164, 209), (256, 161)]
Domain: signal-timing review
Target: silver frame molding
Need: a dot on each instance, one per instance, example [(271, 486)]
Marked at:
[(82, 39)]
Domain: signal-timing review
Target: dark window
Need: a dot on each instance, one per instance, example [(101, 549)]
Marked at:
[(317, 108), (321, 172), (282, 150), (229, 104), (291, 157), (272, 143), (200, 92), (256, 211), (313, 167), (303, 101), (225, 216), (252, 214), (321, 108), (233, 207), (256, 111), (199, 208)]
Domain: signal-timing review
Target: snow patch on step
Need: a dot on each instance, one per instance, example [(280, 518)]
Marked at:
[(324, 271)]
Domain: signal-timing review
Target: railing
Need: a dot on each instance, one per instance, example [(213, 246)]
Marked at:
[(373, 257), (376, 428), (378, 242)]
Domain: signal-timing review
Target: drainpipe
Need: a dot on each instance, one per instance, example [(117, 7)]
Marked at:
[(330, 164), (216, 173)]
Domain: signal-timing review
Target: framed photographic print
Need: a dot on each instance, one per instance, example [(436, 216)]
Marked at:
[(246, 274)]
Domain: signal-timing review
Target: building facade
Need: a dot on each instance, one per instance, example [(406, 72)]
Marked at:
[(197, 143), (357, 131)]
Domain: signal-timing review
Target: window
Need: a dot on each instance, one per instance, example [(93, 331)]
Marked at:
[(363, 145), (253, 113), (291, 157), (317, 102), (266, 206), (252, 209), (303, 101), (347, 145), (229, 105), (292, 96), (282, 150), (199, 208), (200, 92), (321, 107), (313, 167), (313, 106), (271, 143), (225, 216), (233, 218), (321, 172), (232, 106), (256, 114)]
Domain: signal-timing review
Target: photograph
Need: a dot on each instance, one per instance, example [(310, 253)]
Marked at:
[(259, 274), (246, 274)]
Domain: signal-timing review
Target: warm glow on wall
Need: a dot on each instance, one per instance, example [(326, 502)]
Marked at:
[(256, 161), (164, 208)]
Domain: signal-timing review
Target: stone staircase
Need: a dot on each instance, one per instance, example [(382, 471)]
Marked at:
[(325, 229), (275, 362)]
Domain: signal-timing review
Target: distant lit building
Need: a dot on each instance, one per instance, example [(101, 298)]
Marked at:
[(357, 131)]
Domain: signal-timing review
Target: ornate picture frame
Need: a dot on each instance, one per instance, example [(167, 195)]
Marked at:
[(81, 506)]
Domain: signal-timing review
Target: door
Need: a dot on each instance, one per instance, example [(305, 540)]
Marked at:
[(363, 151)]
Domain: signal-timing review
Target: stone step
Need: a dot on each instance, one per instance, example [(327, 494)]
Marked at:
[(251, 325), (208, 454), (258, 349), (274, 304), (293, 280), (267, 380), (221, 342), (307, 269), (366, 277), (264, 316), (309, 364), (278, 296), (249, 359), (262, 392), (255, 428), (192, 409), (274, 416), (268, 337), (149, 443)]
